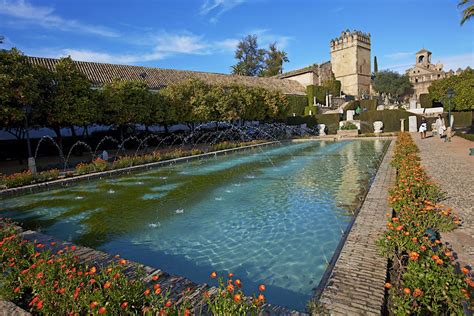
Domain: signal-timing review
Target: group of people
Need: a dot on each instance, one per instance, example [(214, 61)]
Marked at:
[(439, 129)]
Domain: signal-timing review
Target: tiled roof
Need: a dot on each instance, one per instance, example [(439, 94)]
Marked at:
[(421, 51), (157, 78), (312, 68)]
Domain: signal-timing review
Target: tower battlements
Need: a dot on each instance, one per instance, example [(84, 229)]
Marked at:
[(348, 39)]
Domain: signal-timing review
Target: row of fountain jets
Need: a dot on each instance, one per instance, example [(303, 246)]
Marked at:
[(202, 134)]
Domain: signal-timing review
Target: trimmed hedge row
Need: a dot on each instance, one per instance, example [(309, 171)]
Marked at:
[(426, 101), (312, 108), (296, 104), (330, 120)]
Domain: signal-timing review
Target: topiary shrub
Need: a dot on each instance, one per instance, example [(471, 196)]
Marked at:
[(296, 104), (312, 109), (425, 100), (348, 126)]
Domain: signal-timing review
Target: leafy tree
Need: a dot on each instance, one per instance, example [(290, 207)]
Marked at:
[(462, 85), (66, 98), (468, 11), (250, 57), (390, 82), (178, 97), (274, 61), (126, 103), (18, 88)]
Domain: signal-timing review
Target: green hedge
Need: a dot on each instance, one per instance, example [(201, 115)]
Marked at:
[(296, 103), (370, 105), (390, 119), (462, 119), (425, 100), (313, 109), (310, 95), (330, 120)]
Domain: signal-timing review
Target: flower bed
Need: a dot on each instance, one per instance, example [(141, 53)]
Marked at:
[(24, 178), (46, 282), (423, 275)]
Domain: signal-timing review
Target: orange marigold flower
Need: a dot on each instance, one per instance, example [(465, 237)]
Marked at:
[(147, 292), (230, 288), (93, 270), (260, 298), (464, 270), (124, 305), (168, 303), (262, 288), (434, 257), (94, 304), (39, 275), (423, 247), (158, 291), (230, 275), (123, 262), (417, 292), (92, 281), (213, 275), (16, 290), (62, 291), (187, 312), (39, 306), (155, 278), (388, 285), (73, 248), (407, 291), (237, 298), (399, 227), (395, 219), (414, 239), (102, 310), (107, 285), (439, 262), (414, 255), (238, 283)]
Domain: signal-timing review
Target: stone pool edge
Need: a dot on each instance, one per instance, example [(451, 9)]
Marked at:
[(354, 283), (44, 186)]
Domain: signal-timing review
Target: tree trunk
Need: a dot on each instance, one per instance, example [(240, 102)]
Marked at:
[(73, 131), (59, 137), (121, 132), (167, 131)]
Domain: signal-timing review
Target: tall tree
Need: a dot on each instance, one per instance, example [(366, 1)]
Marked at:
[(250, 57), (390, 82), (274, 60), (376, 66), (468, 11), (126, 103), (18, 88), (462, 85), (69, 101)]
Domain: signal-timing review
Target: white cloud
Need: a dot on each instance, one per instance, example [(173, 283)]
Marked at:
[(265, 37), (215, 8), (102, 57), (181, 44), (457, 61), (401, 55), (227, 45), (45, 17)]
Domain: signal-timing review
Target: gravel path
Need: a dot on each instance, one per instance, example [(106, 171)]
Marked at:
[(453, 169)]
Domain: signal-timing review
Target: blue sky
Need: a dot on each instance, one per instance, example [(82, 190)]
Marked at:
[(202, 34)]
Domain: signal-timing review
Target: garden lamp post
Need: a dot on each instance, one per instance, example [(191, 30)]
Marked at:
[(450, 94), (31, 159)]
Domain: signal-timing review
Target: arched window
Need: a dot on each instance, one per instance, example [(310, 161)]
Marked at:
[(420, 59)]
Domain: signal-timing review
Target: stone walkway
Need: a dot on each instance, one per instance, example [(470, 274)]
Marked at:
[(356, 284), (450, 165)]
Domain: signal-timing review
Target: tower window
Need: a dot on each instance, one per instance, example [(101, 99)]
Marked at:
[(421, 59)]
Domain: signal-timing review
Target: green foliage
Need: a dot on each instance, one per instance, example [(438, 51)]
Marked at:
[(332, 86), (310, 90), (390, 119), (469, 137), (426, 101), (468, 11), (274, 61), (348, 126), (18, 87), (26, 177), (330, 120), (462, 119), (320, 94), (313, 109), (424, 279), (254, 61), (296, 104), (250, 57), (370, 105), (390, 82), (462, 84)]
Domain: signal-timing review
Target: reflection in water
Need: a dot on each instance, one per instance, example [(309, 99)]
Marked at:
[(273, 216)]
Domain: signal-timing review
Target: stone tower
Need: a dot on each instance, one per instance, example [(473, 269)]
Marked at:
[(350, 61)]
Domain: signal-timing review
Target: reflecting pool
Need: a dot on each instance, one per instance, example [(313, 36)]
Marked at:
[(273, 215)]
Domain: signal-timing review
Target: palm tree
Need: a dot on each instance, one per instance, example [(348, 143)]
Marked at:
[(468, 11)]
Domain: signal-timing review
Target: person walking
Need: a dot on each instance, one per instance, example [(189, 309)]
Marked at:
[(423, 128), (440, 126)]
